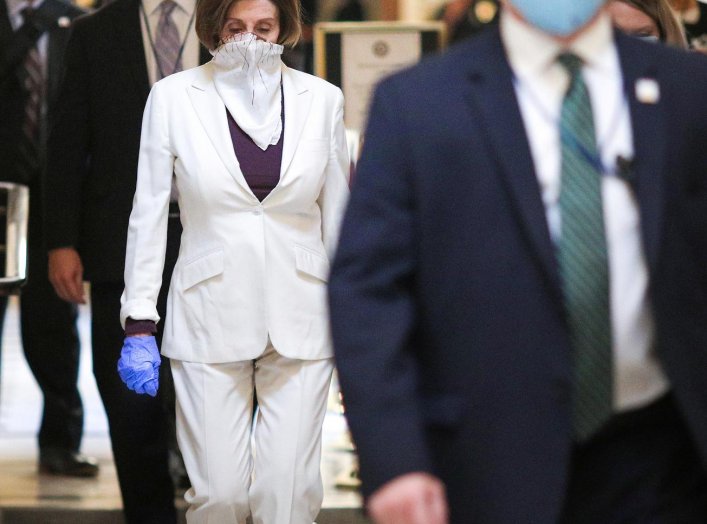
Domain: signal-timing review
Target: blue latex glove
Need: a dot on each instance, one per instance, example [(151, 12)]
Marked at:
[(139, 365)]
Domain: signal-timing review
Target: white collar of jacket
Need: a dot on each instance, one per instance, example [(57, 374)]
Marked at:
[(211, 112)]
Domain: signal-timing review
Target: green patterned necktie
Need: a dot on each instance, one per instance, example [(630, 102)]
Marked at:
[(582, 258)]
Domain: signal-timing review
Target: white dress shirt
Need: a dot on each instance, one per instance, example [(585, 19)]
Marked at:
[(540, 84), (182, 18)]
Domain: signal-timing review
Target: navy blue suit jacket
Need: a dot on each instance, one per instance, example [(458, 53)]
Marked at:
[(447, 318)]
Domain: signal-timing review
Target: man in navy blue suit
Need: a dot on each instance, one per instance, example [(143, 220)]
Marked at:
[(519, 298)]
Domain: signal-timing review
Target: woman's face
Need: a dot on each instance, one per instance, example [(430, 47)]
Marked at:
[(632, 21), (252, 16)]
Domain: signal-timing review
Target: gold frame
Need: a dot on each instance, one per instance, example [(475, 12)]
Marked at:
[(322, 29), (433, 39)]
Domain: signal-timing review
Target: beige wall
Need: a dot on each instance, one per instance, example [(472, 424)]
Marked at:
[(415, 10), (327, 8), (411, 10)]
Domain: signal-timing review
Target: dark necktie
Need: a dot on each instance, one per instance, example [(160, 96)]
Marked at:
[(167, 43), (582, 257), (33, 82)]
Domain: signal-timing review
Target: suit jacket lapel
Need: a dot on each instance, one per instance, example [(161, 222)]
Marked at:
[(58, 39), (648, 123), (212, 115), (490, 93), (211, 112), (298, 101), (5, 26), (55, 48), (128, 36)]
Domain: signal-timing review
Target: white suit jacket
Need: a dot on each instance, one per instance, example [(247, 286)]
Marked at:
[(246, 270)]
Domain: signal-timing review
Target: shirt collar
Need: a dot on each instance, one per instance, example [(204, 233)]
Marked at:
[(531, 51), (151, 6), (15, 7)]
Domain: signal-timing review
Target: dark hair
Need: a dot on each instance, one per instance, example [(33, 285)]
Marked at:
[(662, 14), (211, 17)]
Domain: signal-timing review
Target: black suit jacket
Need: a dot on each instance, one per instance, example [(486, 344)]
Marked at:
[(13, 97), (450, 338), (93, 146), (698, 29)]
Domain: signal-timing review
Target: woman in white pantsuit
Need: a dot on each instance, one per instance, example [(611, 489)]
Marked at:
[(258, 154)]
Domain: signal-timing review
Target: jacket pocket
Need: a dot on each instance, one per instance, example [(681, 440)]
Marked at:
[(311, 263), (203, 267)]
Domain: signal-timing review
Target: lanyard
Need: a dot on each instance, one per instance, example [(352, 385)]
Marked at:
[(152, 42), (594, 159)]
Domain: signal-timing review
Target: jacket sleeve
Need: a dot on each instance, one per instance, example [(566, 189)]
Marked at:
[(147, 229), (372, 303), (335, 191), (68, 146)]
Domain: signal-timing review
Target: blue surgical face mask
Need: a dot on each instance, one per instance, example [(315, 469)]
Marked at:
[(558, 17)]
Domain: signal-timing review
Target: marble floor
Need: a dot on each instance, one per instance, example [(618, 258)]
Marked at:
[(27, 497)]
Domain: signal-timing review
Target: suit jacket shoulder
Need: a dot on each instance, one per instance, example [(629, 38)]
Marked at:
[(105, 20), (107, 12), (437, 74), (63, 8), (668, 67)]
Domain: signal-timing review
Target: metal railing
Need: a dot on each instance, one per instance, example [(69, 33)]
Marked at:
[(14, 210)]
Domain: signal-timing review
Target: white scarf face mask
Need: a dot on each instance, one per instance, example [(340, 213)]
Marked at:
[(248, 78)]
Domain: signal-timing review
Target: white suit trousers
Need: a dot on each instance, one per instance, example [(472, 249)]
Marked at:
[(279, 480)]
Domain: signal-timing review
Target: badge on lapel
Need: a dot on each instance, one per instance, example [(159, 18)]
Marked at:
[(647, 91)]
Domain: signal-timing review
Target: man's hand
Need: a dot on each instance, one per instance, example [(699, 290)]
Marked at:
[(415, 498), (66, 274)]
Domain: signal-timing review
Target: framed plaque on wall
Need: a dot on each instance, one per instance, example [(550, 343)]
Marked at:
[(356, 55)]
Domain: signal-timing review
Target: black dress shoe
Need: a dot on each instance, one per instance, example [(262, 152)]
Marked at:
[(67, 463)]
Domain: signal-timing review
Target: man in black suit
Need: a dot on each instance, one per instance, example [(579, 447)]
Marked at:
[(112, 59), (519, 297), (37, 39), (697, 29)]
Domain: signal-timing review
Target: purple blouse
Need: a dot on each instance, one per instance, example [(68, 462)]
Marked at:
[(261, 169)]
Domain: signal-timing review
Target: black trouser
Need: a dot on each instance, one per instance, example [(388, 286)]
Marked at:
[(139, 424), (643, 468), (50, 342)]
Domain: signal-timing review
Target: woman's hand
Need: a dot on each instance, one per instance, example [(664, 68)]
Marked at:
[(139, 364)]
